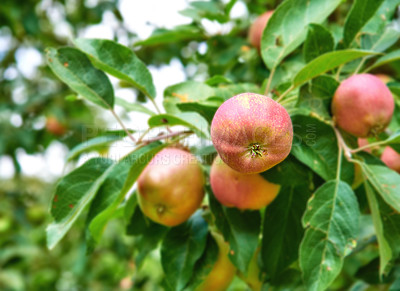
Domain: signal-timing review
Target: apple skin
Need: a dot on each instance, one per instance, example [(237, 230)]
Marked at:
[(384, 78), (171, 188), (391, 158), (257, 28), (252, 133), (223, 271), (244, 191), (363, 105)]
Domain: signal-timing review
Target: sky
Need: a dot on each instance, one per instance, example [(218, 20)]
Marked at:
[(139, 17)]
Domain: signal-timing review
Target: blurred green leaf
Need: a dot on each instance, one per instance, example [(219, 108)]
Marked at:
[(205, 108), (360, 13), (181, 248), (180, 33), (73, 194), (137, 107), (386, 59), (119, 61), (331, 221), (75, 69), (287, 28), (319, 41), (380, 19), (240, 228)]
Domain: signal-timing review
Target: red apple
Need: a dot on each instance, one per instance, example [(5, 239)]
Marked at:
[(171, 187), (257, 28), (391, 158), (252, 133), (363, 105), (54, 126), (244, 191)]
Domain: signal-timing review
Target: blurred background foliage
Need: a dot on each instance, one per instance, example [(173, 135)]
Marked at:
[(38, 111)]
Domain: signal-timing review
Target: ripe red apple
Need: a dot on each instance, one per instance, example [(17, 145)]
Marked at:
[(257, 28), (363, 105), (391, 158), (223, 271), (171, 187), (244, 191), (252, 133)]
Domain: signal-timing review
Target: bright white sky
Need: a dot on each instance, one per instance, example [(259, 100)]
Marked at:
[(140, 17)]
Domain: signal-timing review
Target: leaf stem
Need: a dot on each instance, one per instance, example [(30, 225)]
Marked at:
[(271, 76), (339, 162), (122, 125), (371, 145), (285, 93), (338, 72), (342, 144), (155, 104), (360, 66)]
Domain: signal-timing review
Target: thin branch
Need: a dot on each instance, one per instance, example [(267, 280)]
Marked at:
[(338, 72), (360, 66), (166, 136), (155, 104), (371, 145), (122, 125)]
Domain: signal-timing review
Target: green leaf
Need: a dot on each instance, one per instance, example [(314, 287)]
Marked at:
[(148, 234), (218, 79), (96, 143), (331, 223), (74, 69), (73, 193), (385, 181), (282, 228), (286, 29), (191, 120), (205, 264), (133, 106), (319, 41), (360, 13), (206, 108), (382, 41), (386, 59), (181, 248), (240, 228), (378, 22), (120, 180), (317, 96), (179, 33), (327, 62), (387, 228), (315, 145), (119, 61)]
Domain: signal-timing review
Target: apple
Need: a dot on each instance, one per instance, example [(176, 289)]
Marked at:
[(54, 126), (384, 78), (391, 158), (257, 28), (171, 187), (363, 105), (244, 191), (223, 271), (252, 133)]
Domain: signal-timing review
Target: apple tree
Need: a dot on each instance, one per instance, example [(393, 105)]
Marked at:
[(264, 166)]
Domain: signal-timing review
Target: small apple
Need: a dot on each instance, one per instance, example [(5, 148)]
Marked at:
[(363, 105), (252, 133), (223, 271), (257, 28), (244, 191), (171, 187), (384, 78), (54, 126), (391, 158)]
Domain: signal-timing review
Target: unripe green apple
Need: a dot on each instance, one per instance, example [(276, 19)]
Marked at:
[(171, 187), (391, 158), (223, 271), (363, 105), (252, 133), (257, 28), (244, 191)]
